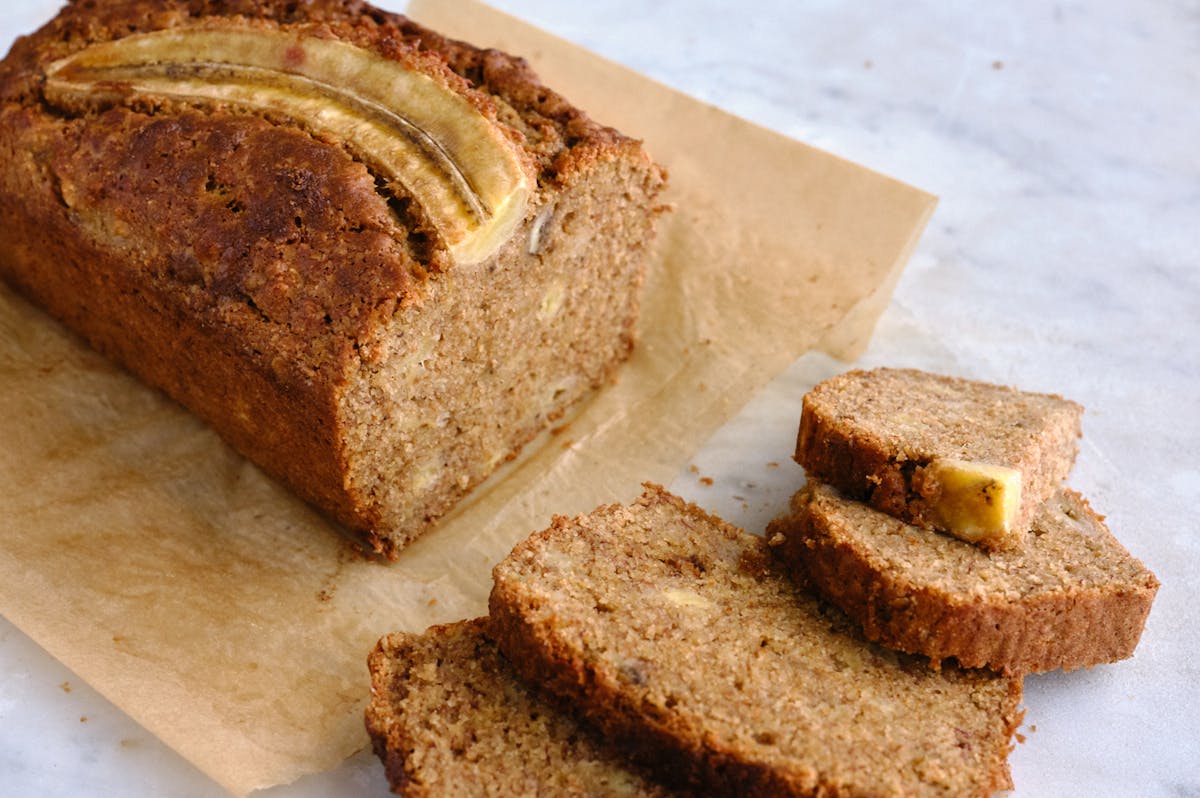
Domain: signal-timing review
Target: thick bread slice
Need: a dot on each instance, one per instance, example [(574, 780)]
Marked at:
[(449, 718), (1070, 597), (687, 643), (881, 437)]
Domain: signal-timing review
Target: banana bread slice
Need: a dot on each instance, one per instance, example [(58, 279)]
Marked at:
[(1069, 597), (965, 457), (375, 260), (449, 718), (686, 642)]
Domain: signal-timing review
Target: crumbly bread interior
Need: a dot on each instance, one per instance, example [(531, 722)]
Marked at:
[(1070, 596), (685, 641), (491, 354), (874, 434), (449, 718)]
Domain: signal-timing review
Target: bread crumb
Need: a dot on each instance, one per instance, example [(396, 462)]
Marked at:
[(65, 687), (706, 480)]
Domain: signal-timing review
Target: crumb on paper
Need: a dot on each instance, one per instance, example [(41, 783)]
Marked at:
[(693, 469), (83, 718), (706, 480), (772, 464), (997, 65), (65, 687), (560, 429)]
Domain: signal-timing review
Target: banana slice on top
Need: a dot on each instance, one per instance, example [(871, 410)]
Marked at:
[(406, 127)]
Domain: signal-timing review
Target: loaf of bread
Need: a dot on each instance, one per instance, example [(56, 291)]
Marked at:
[(375, 260), (1069, 597), (686, 642), (969, 458), (448, 718)]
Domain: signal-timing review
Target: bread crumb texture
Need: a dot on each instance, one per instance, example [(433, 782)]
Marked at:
[(880, 437), (449, 718), (688, 644), (1069, 596)]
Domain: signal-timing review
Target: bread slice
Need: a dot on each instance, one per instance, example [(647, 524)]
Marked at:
[(969, 458), (377, 288), (686, 642), (1070, 597), (449, 718)]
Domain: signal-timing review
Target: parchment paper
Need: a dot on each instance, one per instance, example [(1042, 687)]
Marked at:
[(233, 622)]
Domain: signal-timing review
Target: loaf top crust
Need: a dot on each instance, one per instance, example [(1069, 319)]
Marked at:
[(274, 235), (679, 632), (448, 717), (1068, 553)]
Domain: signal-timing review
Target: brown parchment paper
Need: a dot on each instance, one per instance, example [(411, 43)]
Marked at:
[(233, 622)]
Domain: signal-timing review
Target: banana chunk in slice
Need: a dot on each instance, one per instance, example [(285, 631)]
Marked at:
[(409, 129), (977, 502)]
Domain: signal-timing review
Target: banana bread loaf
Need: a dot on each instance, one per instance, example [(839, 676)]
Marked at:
[(1069, 597), (449, 718), (965, 457), (689, 645), (375, 260)]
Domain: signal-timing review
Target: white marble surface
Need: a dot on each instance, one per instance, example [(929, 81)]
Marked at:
[(1063, 141)]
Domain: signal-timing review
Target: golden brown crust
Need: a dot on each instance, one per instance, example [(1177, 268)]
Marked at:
[(253, 271), (679, 636), (872, 434), (1069, 597)]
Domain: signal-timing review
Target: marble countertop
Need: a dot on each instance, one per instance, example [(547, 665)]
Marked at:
[(1064, 256)]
